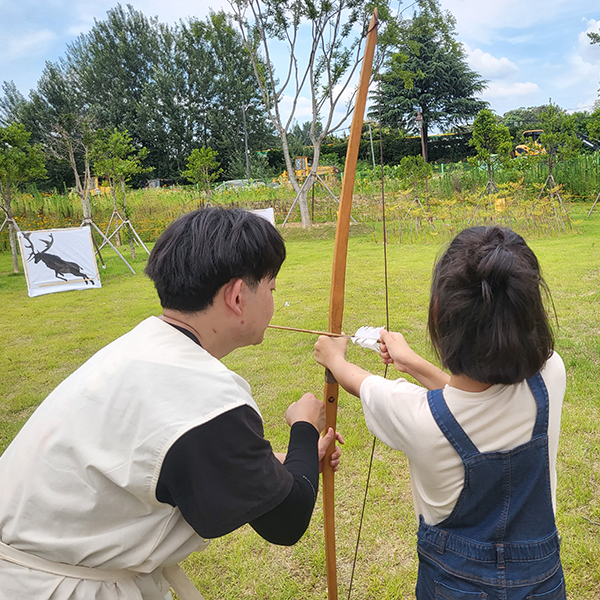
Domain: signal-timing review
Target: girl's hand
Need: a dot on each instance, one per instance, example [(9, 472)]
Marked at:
[(334, 459), (327, 349), (394, 349)]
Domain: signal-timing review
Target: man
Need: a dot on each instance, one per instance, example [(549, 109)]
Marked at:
[(153, 446)]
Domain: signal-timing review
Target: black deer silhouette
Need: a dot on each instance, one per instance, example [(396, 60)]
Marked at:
[(53, 262)]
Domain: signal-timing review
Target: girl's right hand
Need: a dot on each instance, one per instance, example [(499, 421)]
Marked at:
[(395, 350)]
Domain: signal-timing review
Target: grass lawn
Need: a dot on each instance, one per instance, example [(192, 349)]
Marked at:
[(44, 339)]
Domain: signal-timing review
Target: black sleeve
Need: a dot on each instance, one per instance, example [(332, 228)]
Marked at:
[(223, 474), (287, 522)]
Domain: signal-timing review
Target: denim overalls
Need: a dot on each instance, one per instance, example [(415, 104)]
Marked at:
[(500, 542)]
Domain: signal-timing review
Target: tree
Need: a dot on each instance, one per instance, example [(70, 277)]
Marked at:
[(63, 123), (202, 168), (11, 103), (559, 139), (593, 125), (325, 70), (521, 119), (19, 162), (115, 158), (415, 171), (429, 75), (492, 142), (173, 88)]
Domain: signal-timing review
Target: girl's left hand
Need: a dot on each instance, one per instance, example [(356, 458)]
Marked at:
[(324, 442), (328, 348)]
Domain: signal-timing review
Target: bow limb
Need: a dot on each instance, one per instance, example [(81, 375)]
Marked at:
[(336, 302)]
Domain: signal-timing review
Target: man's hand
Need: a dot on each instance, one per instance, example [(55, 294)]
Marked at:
[(324, 442), (309, 408)]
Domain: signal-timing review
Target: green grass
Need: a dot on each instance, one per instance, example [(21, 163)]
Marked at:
[(44, 339)]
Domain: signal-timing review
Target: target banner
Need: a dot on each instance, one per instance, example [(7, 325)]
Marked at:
[(58, 260)]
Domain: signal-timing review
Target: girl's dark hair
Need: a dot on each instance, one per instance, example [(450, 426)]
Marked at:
[(487, 319), (205, 249)]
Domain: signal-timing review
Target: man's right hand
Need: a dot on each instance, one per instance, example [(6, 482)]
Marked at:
[(309, 408)]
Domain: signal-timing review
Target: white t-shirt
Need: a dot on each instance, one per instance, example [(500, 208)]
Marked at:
[(499, 418)]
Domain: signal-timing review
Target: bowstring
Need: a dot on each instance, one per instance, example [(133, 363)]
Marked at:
[(387, 326)]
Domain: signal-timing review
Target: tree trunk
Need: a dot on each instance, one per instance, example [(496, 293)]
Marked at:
[(303, 202), (12, 234), (424, 139), (302, 193), (81, 192)]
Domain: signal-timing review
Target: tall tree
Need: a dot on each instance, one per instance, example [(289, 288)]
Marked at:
[(325, 69), (19, 162), (429, 74), (62, 121), (173, 88), (116, 63), (236, 116)]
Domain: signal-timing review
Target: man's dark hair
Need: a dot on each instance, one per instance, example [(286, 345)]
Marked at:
[(487, 318), (205, 249)]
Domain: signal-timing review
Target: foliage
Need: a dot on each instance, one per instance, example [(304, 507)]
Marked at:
[(559, 139), (593, 125), (522, 119), (429, 75), (174, 88), (115, 157), (414, 170), (11, 103), (491, 140), (326, 69), (19, 162), (202, 167)]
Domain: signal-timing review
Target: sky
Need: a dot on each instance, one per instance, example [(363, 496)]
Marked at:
[(530, 51)]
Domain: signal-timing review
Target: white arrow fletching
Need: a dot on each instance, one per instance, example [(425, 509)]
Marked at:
[(367, 337)]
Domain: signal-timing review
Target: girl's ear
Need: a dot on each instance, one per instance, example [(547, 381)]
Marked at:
[(232, 294)]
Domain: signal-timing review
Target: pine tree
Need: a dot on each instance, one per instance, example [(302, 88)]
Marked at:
[(429, 75)]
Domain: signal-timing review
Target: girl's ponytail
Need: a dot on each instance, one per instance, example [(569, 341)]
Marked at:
[(487, 318)]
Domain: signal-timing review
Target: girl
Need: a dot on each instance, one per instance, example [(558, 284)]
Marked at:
[(482, 443)]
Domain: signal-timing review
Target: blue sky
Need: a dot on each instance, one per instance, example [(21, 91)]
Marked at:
[(530, 51)]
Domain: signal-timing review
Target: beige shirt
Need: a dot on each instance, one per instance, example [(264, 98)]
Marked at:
[(79, 480), (500, 418)]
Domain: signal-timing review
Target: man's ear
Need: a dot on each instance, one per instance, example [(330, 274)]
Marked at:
[(232, 294)]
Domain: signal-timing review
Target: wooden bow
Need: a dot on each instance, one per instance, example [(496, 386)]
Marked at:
[(336, 302)]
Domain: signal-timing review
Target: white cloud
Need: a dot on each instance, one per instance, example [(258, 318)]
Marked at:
[(589, 52), (30, 44), (302, 112), (483, 24), (489, 66), (514, 90)]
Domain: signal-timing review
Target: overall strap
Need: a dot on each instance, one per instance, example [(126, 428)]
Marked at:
[(540, 393), (450, 427)]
